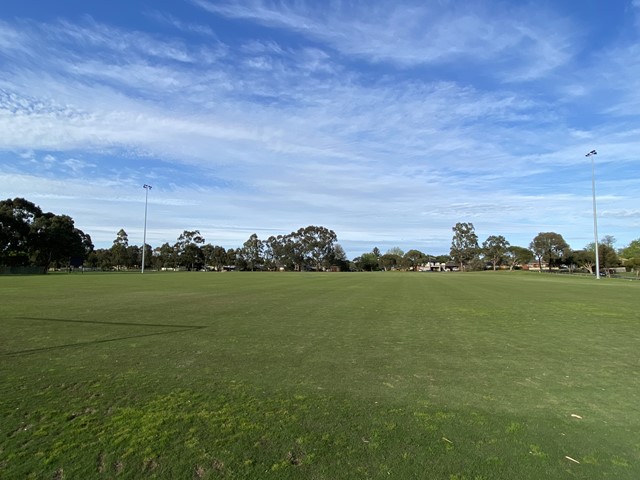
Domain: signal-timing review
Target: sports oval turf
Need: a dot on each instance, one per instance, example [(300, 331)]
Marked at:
[(322, 376)]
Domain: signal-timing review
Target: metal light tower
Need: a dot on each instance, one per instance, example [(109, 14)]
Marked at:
[(144, 241), (592, 154)]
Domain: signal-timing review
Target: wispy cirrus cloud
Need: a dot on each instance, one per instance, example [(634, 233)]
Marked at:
[(421, 33), (383, 121), (165, 18)]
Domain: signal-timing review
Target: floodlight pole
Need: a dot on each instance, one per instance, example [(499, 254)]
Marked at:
[(592, 154), (144, 241)]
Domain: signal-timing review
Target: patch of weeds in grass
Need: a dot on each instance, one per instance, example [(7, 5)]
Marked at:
[(515, 427), (536, 451), (590, 460), (118, 467), (150, 465), (199, 471), (618, 461)]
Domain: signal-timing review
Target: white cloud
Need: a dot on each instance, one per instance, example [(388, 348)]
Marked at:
[(168, 19), (528, 42), (268, 136)]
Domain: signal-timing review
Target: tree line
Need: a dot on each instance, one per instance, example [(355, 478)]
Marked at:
[(547, 250), (308, 248), (30, 237)]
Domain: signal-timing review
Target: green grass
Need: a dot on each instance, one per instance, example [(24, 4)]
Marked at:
[(319, 376)]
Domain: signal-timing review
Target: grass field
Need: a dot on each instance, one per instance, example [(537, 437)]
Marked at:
[(319, 376)]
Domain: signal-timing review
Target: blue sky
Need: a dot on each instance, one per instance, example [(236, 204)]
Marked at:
[(386, 121)]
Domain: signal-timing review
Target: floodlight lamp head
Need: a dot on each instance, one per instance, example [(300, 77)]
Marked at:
[(149, 187), (592, 152)]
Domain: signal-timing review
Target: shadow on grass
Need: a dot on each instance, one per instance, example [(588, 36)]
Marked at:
[(178, 329)]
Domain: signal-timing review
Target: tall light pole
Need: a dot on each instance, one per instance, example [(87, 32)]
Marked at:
[(592, 154), (144, 241)]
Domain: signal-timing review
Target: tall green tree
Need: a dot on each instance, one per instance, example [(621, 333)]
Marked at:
[(630, 255), (549, 247), (632, 250), (252, 251), (119, 254), (16, 219), (607, 255), (397, 251), (232, 257), (464, 244), (134, 256), (389, 261), (339, 258), (294, 251), (318, 245), (518, 256), (633, 264), (413, 258), (583, 259), (312, 245), (55, 239), (207, 253), (166, 256), (494, 249), (30, 237), (188, 249), (101, 258), (219, 257), (275, 252), (367, 262)]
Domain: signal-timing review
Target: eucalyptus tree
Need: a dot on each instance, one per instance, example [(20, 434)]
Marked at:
[(517, 256), (207, 253), (119, 247), (231, 256), (339, 258), (28, 236), (213, 256), (630, 255), (188, 249), (318, 244), (218, 257), (275, 252), (55, 239), (633, 264), (166, 256), (134, 256), (583, 259), (16, 219), (607, 255), (294, 249), (389, 261), (549, 247), (464, 244), (413, 258), (631, 251), (252, 251), (313, 245), (367, 262), (494, 249), (396, 251)]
